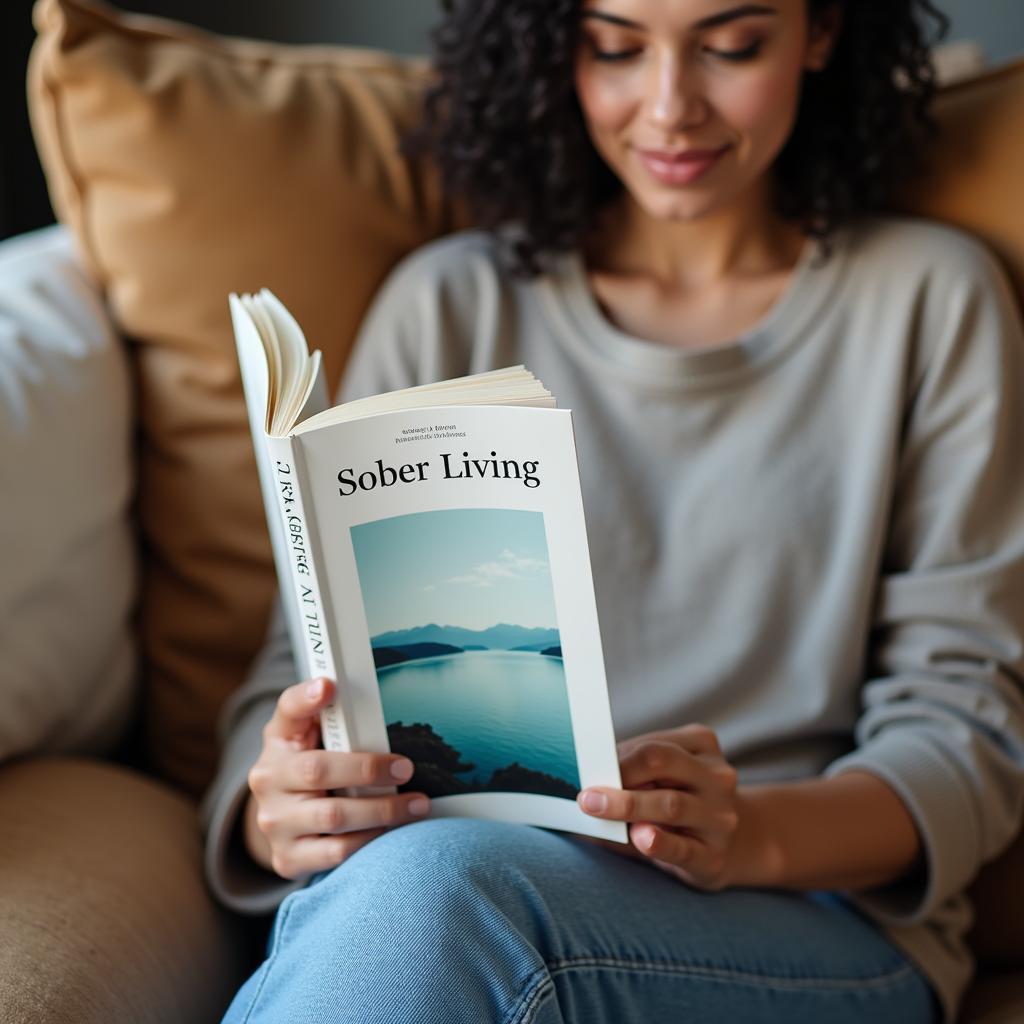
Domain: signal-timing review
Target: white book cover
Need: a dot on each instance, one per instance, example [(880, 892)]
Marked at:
[(439, 570)]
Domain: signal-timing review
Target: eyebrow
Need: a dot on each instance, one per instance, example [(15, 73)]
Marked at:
[(712, 21)]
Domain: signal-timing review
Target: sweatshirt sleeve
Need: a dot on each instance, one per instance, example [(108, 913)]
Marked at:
[(235, 879), (942, 720), (400, 344)]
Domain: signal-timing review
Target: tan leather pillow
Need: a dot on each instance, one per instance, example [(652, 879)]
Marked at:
[(189, 166), (978, 164)]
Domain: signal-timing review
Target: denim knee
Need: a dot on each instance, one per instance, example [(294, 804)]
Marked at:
[(436, 916), (436, 877)]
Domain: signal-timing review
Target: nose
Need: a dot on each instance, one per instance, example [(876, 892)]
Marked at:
[(675, 99)]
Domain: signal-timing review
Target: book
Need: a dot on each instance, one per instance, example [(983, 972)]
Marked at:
[(432, 556)]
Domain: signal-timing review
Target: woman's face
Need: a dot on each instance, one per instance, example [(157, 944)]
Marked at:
[(689, 102)]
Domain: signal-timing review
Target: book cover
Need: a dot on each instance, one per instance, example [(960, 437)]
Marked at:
[(437, 563)]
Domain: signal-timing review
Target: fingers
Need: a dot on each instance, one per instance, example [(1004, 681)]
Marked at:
[(338, 815), (298, 827), (679, 796), (309, 855), (672, 807), (691, 760), (298, 709), (661, 763), (302, 828), (622, 849), (309, 771), (668, 847), (696, 738)]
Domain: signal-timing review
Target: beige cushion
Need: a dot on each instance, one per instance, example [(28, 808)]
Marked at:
[(104, 915), (67, 582), (189, 166)]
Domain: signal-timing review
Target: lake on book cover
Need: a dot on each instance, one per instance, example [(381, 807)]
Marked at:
[(479, 704)]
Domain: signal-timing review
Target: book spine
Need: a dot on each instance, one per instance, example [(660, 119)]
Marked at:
[(316, 651)]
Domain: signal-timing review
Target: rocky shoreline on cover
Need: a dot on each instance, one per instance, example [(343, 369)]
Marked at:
[(437, 764)]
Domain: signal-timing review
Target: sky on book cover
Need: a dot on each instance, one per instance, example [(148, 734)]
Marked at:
[(462, 567)]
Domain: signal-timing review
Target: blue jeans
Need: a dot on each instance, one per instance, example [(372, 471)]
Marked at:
[(456, 920)]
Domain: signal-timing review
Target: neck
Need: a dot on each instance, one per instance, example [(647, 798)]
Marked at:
[(745, 238)]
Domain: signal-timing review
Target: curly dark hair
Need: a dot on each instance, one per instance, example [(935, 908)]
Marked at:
[(503, 124)]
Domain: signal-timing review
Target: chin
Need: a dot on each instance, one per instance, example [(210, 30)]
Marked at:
[(678, 207)]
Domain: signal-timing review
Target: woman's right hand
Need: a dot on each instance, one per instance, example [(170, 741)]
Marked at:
[(292, 825)]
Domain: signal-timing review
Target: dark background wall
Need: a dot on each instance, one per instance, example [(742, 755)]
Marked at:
[(400, 25), (23, 203)]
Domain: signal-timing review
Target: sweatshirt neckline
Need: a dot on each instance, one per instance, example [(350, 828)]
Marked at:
[(587, 328)]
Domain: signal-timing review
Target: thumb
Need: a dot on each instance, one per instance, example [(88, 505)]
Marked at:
[(298, 708)]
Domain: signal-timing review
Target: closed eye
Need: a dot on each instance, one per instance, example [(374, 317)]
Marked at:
[(737, 56), (747, 53), (612, 55)]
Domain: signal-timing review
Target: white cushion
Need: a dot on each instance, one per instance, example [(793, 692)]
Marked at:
[(67, 555)]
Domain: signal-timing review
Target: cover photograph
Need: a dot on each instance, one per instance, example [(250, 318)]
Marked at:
[(477, 699)]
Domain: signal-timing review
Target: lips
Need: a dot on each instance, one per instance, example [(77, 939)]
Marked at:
[(685, 155), (680, 167)]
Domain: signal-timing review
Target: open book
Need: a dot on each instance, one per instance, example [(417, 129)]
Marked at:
[(432, 557)]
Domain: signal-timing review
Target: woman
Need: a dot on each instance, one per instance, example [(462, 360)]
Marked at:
[(795, 420)]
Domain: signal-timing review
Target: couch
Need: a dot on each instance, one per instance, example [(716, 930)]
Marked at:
[(183, 166)]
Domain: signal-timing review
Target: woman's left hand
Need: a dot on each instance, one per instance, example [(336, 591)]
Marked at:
[(681, 801)]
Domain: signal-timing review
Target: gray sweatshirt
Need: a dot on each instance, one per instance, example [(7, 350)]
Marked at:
[(810, 539)]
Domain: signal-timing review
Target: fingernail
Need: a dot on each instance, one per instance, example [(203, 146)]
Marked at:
[(419, 806), (401, 770), (314, 689), (594, 802), (644, 838)]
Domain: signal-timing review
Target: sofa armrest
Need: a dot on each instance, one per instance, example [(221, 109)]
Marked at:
[(104, 914)]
